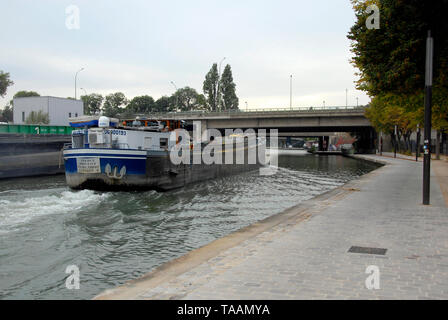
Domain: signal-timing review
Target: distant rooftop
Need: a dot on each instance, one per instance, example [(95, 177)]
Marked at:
[(48, 97)]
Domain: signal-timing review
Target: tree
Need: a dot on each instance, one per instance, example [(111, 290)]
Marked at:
[(229, 99), (210, 88), (187, 99), (23, 94), (141, 104), (5, 82), (38, 117), (92, 103), (114, 103), (7, 114), (391, 61), (164, 104)]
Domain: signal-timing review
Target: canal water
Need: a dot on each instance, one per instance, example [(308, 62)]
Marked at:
[(117, 236)]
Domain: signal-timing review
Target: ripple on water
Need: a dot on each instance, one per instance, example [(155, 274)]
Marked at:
[(116, 236), (19, 208)]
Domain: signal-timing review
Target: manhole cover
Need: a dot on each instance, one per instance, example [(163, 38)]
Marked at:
[(367, 250)]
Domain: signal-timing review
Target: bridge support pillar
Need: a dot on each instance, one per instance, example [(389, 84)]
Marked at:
[(326, 143), (321, 143)]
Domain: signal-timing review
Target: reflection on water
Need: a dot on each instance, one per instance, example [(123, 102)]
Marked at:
[(116, 236)]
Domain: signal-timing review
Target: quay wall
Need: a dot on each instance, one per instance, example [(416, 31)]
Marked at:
[(23, 155)]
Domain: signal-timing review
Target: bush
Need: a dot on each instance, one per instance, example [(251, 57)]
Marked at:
[(37, 118)]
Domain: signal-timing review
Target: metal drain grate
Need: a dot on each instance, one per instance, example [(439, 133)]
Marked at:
[(367, 250)]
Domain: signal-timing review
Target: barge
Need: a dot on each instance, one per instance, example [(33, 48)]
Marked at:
[(106, 154)]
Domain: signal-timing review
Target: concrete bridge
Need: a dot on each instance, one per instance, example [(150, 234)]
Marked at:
[(291, 122), (296, 120)]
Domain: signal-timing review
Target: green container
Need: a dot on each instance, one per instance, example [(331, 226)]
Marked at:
[(35, 129), (44, 130), (13, 128), (24, 129)]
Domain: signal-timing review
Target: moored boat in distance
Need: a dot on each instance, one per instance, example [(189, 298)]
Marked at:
[(108, 154)]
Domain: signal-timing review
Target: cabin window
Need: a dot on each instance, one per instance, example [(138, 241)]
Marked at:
[(163, 143), (76, 114), (78, 141), (69, 114), (148, 143), (23, 116)]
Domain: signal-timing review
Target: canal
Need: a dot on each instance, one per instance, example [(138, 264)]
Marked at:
[(117, 236)]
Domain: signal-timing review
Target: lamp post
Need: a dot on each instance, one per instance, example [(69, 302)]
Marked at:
[(76, 76), (357, 104), (246, 106), (346, 98), (395, 140), (84, 91), (428, 103), (175, 87), (417, 145), (290, 92)]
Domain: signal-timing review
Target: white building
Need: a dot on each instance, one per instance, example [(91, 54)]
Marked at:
[(58, 109)]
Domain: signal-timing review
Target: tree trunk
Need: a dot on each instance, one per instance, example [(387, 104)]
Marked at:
[(438, 145)]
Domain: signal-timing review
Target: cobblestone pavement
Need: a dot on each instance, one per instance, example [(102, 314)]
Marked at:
[(306, 256)]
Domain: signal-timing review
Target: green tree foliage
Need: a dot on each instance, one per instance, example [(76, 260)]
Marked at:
[(164, 104), (229, 99), (24, 94), (391, 62), (188, 99), (141, 104), (38, 117), (210, 88), (7, 114), (114, 104), (5, 82), (92, 103)]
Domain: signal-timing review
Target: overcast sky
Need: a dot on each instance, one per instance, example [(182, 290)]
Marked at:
[(139, 47)]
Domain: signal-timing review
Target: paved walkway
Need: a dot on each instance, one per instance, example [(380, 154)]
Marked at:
[(302, 253)]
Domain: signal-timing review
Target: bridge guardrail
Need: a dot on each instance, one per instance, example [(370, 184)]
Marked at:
[(251, 111)]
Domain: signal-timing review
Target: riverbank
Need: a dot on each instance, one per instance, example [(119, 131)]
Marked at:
[(302, 253)]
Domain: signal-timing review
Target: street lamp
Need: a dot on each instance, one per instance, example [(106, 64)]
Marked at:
[(346, 98), (357, 104), (246, 106), (76, 76), (290, 92), (175, 87)]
